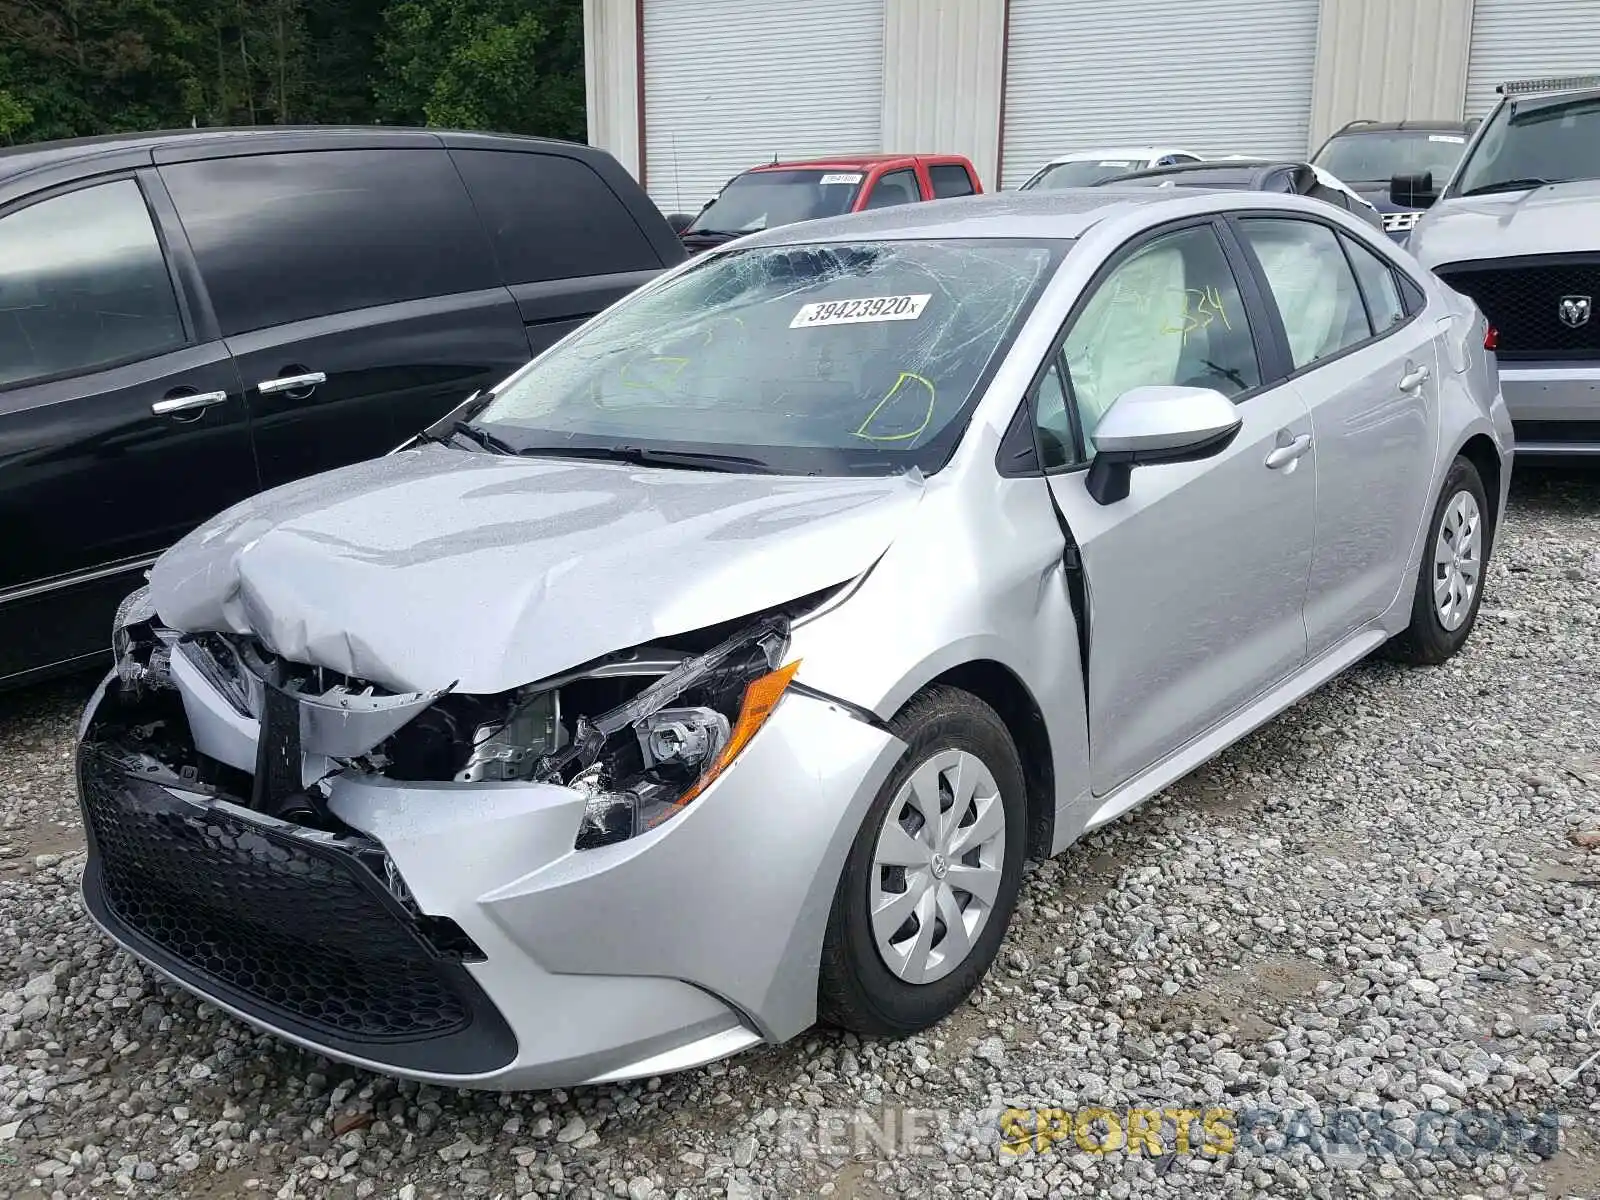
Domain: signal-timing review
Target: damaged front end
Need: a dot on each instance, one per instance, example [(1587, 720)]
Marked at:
[(209, 771)]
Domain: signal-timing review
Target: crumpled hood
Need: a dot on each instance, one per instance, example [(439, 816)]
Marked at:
[(439, 566), (1560, 218)]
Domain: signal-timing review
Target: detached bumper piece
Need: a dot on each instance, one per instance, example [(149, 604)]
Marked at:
[(295, 928)]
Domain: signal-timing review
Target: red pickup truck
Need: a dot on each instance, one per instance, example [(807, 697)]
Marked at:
[(782, 193)]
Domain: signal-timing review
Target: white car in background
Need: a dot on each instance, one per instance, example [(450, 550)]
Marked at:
[(1085, 168)]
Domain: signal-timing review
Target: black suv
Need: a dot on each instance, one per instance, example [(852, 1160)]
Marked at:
[(1367, 155), (187, 318)]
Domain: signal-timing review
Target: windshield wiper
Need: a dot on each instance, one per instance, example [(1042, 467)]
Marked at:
[(725, 234), (698, 460), (1510, 185), (479, 437)]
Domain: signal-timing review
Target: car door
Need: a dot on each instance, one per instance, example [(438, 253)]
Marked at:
[(1195, 580), (122, 422), (1369, 374), (564, 242), (356, 291)]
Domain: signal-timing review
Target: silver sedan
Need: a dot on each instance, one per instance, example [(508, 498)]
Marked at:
[(717, 672)]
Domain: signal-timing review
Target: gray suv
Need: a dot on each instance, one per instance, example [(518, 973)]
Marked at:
[(1517, 228)]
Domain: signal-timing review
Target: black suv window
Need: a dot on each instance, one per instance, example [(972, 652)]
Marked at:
[(284, 237), (83, 284), (950, 179), (552, 217)]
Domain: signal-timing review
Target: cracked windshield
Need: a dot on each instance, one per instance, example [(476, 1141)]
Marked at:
[(826, 359)]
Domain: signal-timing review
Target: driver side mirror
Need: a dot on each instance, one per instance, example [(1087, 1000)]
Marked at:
[(679, 222), (1148, 425), (1412, 191)]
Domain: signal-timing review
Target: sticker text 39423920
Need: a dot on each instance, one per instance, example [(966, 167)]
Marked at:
[(869, 308)]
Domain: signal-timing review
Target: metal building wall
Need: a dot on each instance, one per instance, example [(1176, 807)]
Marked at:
[(1390, 60), (944, 63), (944, 72)]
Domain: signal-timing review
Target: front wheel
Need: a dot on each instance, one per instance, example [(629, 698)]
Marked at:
[(933, 875), (1455, 561)]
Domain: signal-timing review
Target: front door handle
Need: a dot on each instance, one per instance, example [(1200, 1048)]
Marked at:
[(292, 383), (194, 400), (1414, 378), (1284, 455)]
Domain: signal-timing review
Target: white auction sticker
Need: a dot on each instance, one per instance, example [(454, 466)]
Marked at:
[(1447, 137), (870, 308), (827, 179)]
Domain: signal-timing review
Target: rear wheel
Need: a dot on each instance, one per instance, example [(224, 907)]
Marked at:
[(1450, 581), (932, 877)]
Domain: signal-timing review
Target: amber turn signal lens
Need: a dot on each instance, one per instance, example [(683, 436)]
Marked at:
[(761, 696)]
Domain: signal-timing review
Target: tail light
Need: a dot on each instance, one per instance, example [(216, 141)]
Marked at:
[(1491, 339)]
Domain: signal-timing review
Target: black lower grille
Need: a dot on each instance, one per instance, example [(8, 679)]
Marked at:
[(286, 924), (1544, 309)]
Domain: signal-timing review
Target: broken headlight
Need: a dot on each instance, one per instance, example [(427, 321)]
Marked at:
[(643, 761), (140, 648)]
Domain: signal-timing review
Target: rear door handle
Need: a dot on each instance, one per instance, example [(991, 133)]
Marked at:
[(178, 404), (292, 383), (1284, 455), (1414, 378)]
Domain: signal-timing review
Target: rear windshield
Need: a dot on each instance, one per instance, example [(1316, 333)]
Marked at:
[(766, 199), (1379, 157), (827, 359)]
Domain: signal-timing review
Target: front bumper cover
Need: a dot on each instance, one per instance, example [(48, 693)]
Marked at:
[(672, 949)]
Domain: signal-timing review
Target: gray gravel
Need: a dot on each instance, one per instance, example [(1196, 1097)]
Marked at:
[(1381, 901)]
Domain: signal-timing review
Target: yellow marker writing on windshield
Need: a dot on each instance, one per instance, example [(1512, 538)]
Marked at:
[(927, 415)]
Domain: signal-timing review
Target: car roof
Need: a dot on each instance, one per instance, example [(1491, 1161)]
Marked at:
[(848, 161), (1359, 127), (1220, 172), (1061, 214), (1116, 152), (22, 160)]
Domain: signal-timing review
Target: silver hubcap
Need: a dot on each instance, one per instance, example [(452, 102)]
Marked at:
[(937, 866), (1457, 560)]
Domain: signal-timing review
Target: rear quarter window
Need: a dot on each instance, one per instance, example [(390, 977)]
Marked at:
[(287, 237), (552, 217)]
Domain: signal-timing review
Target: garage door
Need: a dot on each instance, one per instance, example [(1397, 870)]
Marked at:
[(1211, 76), (1528, 39), (729, 84)]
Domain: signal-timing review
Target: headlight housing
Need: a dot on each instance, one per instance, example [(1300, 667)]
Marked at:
[(644, 761)]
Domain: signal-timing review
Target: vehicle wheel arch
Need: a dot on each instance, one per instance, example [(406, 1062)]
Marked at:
[(1002, 689), (1479, 449)]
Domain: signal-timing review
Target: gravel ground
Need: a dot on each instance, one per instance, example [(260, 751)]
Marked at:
[(1381, 902)]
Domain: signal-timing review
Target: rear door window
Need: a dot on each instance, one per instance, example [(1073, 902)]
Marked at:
[(1313, 285), (552, 217), (950, 179), (286, 237), (83, 284)]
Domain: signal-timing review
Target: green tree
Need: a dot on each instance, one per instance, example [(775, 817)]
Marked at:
[(14, 116), (509, 65)]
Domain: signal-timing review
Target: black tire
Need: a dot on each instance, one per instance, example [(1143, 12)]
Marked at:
[(1426, 642), (856, 990)]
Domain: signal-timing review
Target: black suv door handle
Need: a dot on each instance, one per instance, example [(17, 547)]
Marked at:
[(180, 401), (295, 386)]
